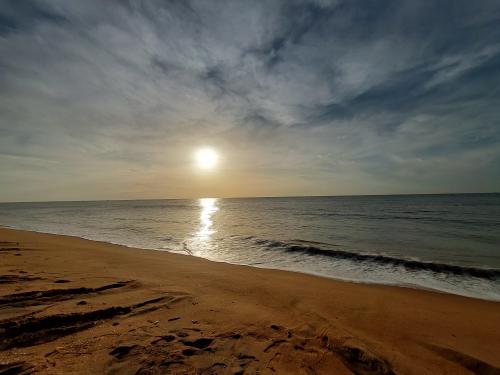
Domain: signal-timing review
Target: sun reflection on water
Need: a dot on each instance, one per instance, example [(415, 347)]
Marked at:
[(208, 208), (200, 242)]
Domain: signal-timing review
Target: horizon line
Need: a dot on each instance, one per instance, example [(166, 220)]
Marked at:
[(253, 197)]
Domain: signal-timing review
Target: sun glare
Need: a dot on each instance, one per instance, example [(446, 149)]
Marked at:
[(206, 158)]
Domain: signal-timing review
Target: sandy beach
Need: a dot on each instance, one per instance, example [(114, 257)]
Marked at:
[(69, 305)]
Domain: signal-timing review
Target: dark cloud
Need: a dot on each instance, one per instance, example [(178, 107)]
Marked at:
[(23, 16)]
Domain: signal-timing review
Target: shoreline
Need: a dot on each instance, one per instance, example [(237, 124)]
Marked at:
[(340, 279), (161, 311)]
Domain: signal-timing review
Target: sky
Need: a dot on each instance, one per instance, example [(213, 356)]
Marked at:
[(111, 99)]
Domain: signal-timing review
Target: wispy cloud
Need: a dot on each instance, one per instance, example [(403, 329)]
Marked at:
[(337, 96)]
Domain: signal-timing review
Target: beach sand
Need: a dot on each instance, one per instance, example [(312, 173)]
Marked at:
[(69, 305)]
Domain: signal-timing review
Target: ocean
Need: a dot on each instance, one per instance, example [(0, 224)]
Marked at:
[(448, 243)]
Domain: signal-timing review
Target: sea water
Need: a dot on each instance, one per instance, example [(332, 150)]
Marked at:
[(449, 243)]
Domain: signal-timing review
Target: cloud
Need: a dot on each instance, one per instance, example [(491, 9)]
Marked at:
[(358, 96)]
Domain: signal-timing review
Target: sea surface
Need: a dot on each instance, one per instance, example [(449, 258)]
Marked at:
[(448, 243)]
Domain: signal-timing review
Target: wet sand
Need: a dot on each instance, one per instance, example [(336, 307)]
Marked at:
[(69, 305)]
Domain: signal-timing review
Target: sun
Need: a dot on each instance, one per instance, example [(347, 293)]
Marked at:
[(206, 158)]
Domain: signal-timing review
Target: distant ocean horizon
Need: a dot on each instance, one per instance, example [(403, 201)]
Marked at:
[(248, 197), (443, 242)]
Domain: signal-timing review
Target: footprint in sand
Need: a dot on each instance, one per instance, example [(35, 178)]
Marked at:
[(200, 343), (121, 351)]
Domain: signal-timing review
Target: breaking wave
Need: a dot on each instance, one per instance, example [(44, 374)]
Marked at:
[(299, 246)]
